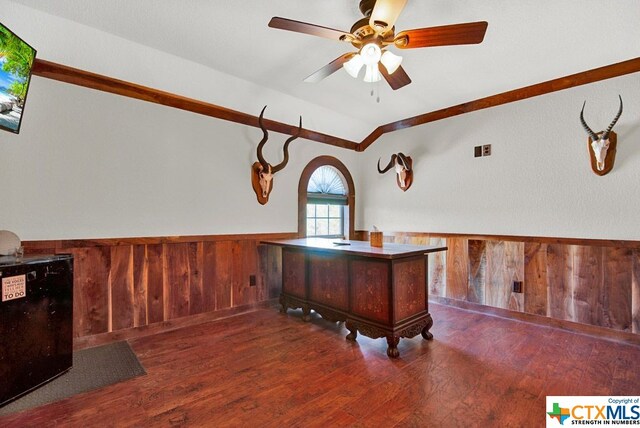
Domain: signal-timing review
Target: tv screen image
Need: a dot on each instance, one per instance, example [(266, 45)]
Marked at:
[(16, 61)]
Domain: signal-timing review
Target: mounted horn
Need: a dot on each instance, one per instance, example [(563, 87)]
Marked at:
[(613, 122), (404, 169), (282, 164), (404, 160), (602, 145), (262, 171), (389, 165)]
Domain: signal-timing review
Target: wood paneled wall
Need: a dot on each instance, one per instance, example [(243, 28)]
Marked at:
[(120, 284), (125, 283), (586, 281)]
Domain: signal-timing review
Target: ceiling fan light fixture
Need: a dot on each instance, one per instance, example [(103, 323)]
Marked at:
[(370, 54), (390, 61), (372, 74), (354, 65)]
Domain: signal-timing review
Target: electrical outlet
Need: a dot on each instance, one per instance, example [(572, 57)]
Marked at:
[(477, 151), (486, 150), (252, 280), (517, 286)]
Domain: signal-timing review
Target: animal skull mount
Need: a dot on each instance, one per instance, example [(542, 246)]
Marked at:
[(404, 170), (262, 172), (602, 145)]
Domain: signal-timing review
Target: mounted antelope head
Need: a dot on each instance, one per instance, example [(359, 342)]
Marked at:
[(602, 145), (403, 166), (261, 171)]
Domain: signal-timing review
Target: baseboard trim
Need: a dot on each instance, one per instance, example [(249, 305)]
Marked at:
[(574, 327), (162, 327)]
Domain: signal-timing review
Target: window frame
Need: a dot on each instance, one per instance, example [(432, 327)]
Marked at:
[(349, 210)]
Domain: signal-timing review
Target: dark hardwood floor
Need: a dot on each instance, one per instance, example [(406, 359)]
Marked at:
[(267, 369)]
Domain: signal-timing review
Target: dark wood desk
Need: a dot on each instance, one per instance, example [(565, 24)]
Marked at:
[(379, 292)]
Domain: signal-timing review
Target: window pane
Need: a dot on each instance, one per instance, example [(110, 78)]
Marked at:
[(322, 210), (311, 210), (311, 227), (335, 226), (322, 227), (335, 211)]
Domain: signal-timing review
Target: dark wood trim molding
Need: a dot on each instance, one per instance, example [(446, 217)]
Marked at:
[(75, 76), (61, 244), (87, 79), (591, 330), (536, 239), (566, 82), (302, 192)]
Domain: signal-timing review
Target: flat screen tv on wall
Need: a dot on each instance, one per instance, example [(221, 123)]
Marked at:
[(16, 60)]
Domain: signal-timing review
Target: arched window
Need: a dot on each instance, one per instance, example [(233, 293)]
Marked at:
[(326, 199)]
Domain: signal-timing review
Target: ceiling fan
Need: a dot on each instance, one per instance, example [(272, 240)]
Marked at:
[(374, 33)]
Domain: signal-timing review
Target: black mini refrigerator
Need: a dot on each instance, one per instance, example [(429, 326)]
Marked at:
[(36, 322)]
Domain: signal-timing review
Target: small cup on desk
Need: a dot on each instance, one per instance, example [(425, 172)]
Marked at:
[(375, 239)]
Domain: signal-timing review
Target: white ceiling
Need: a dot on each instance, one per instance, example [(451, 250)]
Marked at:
[(526, 42)]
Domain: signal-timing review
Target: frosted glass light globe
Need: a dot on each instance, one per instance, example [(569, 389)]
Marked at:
[(370, 54)]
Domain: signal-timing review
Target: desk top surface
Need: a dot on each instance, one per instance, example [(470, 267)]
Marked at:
[(357, 248)]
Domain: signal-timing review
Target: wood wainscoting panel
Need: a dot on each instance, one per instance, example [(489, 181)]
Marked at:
[(559, 283), (437, 267), (196, 281), (177, 282), (126, 283), (505, 264), (209, 269), (154, 266), (271, 257), (91, 309), (589, 281), (122, 287), (457, 268), (537, 284), (224, 258), (140, 285), (635, 295), (477, 270), (587, 271), (615, 309)]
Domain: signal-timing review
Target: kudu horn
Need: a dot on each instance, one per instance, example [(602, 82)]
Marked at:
[(265, 137)]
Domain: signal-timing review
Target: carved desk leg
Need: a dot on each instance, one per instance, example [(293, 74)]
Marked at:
[(392, 350), (306, 313), (353, 331), (426, 335), (283, 302)]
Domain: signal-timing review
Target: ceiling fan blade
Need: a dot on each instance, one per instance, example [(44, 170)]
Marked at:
[(397, 80), (385, 13), (457, 34), (329, 69), (306, 28)]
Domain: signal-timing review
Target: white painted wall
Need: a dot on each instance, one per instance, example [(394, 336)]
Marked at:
[(90, 164), (537, 182)]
